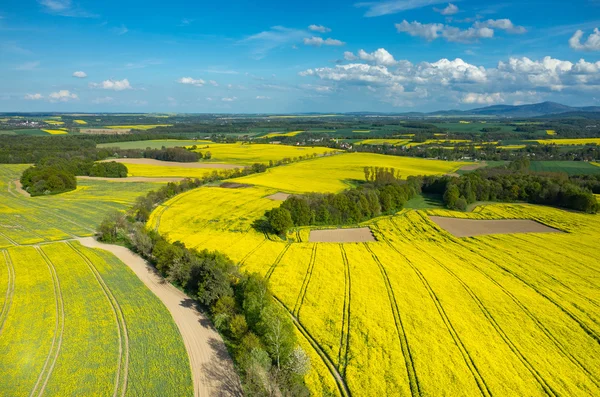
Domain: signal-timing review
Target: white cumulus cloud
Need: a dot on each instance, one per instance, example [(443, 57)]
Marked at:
[(262, 97), (379, 57), (80, 74), (432, 31), (34, 97), (229, 99), (114, 85), (62, 96), (483, 99), (591, 44), (319, 41), (451, 9), (319, 28), (192, 81), (501, 24), (456, 81)]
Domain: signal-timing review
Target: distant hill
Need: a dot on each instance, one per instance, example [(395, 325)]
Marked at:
[(531, 110), (543, 109)]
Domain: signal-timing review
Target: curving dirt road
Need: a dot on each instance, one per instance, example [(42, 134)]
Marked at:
[(212, 369)]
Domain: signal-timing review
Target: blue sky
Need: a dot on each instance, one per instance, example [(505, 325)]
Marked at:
[(283, 57)]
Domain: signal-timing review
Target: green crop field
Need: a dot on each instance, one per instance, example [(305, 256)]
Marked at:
[(473, 127), (570, 167), (50, 218), (77, 321)]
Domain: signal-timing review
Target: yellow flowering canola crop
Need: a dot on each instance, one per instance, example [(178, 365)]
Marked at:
[(419, 311), (247, 154), (336, 173), (573, 141), (79, 322)]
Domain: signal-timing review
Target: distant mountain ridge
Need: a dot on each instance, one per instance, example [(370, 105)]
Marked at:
[(514, 111)]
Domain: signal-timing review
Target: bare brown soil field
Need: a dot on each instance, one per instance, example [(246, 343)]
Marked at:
[(131, 179), (175, 163), (356, 235), (477, 227), (279, 196), (212, 369), (104, 131), (234, 185)]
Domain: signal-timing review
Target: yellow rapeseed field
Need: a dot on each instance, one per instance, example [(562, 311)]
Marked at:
[(419, 311), (54, 122), (82, 122), (137, 126), (79, 322), (335, 173), (276, 134), (395, 142), (247, 154), (155, 171), (551, 132), (56, 132), (573, 141)]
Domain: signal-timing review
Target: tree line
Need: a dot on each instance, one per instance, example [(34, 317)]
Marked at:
[(383, 193), (511, 184), (55, 175), (257, 331)]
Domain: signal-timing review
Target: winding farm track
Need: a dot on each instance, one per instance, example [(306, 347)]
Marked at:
[(38, 389), (212, 369)]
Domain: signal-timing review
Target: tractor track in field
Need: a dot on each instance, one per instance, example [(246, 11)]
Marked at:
[(413, 380), (345, 335), (166, 206), (10, 289), (562, 253), (573, 316), (554, 278), (10, 240), (252, 251), (305, 282), (490, 318), (123, 366), (518, 260), (339, 379), (277, 260), (468, 359), (58, 330), (562, 349)]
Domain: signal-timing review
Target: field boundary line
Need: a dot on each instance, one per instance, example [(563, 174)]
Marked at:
[(252, 251), (10, 289), (411, 371), (345, 335), (123, 367), (469, 361), (277, 260), (60, 323), (306, 281), (548, 389), (562, 350), (339, 380)]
